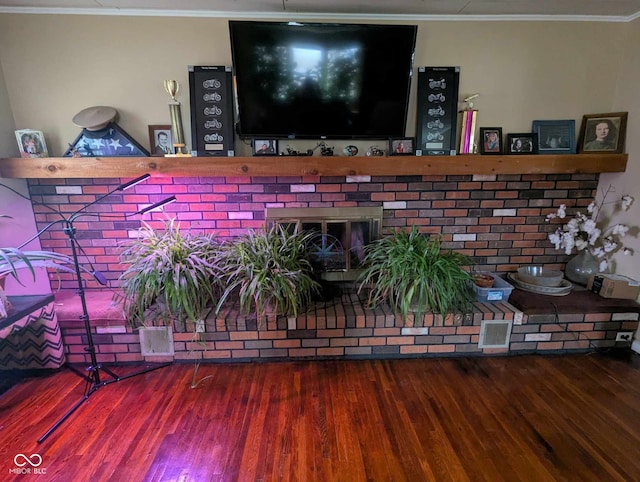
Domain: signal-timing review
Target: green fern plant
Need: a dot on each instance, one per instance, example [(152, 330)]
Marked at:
[(12, 260), (170, 276), (268, 268), (413, 273)]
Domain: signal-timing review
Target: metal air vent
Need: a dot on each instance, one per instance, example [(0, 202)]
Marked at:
[(495, 334), (156, 340)]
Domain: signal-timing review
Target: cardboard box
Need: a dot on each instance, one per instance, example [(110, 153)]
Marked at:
[(614, 286)]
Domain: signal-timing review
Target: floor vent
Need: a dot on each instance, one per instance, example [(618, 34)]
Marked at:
[(156, 340), (495, 334)]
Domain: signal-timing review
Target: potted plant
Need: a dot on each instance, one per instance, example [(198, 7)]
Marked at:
[(412, 272), (13, 260), (268, 270), (170, 276)]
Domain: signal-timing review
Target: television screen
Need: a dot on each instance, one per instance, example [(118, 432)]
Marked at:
[(318, 80)]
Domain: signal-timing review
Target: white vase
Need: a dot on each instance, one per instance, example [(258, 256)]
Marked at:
[(581, 267)]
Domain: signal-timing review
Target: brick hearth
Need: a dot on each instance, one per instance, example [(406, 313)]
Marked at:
[(346, 328)]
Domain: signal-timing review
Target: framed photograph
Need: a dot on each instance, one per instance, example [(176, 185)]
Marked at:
[(265, 147), (555, 136), (603, 132), (401, 146), (31, 143), (525, 143), (491, 140), (160, 140)]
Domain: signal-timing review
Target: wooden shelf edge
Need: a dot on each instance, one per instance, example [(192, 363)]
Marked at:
[(122, 167)]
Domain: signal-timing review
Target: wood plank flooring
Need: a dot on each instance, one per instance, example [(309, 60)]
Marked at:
[(530, 418)]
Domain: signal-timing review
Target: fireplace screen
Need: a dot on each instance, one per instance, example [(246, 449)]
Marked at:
[(340, 235)]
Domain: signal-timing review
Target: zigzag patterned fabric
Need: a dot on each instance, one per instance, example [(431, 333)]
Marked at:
[(34, 341)]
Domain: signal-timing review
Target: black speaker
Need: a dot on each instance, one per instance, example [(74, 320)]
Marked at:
[(211, 92), (437, 112)]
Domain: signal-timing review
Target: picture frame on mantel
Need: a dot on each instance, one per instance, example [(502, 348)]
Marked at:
[(522, 143), (437, 111), (401, 146), (603, 133), (160, 140), (491, 140), (211, 98), (265, 147), (31, 143), (555, 136)]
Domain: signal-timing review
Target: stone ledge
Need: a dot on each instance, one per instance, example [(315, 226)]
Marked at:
[(578, 301), (102, 311), (350, 311), (347, 328)]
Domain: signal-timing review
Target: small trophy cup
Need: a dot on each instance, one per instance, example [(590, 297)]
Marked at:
[(172, 87)]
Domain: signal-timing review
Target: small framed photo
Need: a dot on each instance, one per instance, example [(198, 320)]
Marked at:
[(160, 140), (491, 138), (401, 146), (525, 143), (603, 132), (265, 147), (555, 136), (31, 143)]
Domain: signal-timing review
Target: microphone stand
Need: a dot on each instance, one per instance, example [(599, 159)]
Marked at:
[(93, 379)]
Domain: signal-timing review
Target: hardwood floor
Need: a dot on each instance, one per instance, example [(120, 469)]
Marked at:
[(532, 418)]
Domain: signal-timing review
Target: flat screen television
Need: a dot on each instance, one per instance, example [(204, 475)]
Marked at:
[(321, 80)]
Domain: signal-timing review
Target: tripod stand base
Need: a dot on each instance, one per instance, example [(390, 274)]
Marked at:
[(93, 383)]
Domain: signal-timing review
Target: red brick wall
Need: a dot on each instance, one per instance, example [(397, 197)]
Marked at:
[(346, 328), (500, 220)]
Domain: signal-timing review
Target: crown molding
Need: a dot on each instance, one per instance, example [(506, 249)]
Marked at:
[(316, 16), (633, 17)]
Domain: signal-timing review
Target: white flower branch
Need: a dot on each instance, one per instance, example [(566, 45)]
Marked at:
[(582, 232)]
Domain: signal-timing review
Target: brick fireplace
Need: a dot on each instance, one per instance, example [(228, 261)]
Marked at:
[(499, 220), (338, 235)]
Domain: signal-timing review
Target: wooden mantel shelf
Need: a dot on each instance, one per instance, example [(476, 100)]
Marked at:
[(121, 167)]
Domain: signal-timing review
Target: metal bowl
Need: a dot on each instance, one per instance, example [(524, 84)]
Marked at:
[(540, 276)]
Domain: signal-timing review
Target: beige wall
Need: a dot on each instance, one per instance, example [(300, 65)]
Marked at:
[(628, 99), (8, 146), (57, 65), (23, 225)]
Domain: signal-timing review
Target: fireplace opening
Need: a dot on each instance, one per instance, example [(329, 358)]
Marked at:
[(340, 235)]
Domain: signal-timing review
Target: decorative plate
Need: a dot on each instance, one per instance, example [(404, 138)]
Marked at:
[(562, 290)]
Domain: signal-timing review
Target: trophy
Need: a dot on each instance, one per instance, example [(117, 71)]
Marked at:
[(469, 117), (172, 87)]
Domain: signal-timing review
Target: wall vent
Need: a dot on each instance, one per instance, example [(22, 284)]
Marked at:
[(156, 340), (495, 334)]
